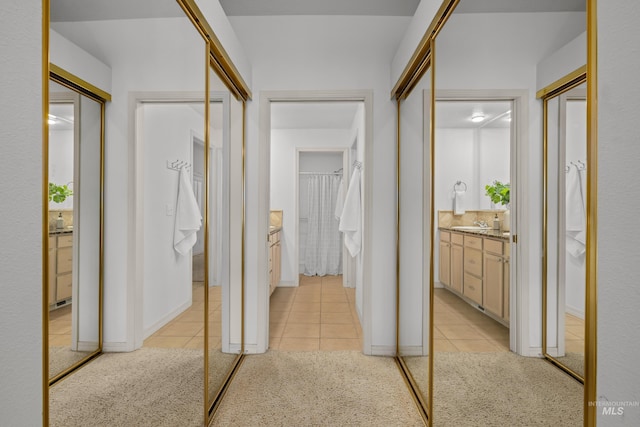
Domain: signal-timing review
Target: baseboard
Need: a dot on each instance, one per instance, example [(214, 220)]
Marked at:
[(534, 352), (575, 311), (165, 319), (117, 347), (252, 349), (383, 350), (437, 285), (412, 350), (287, 285), (87, 345)]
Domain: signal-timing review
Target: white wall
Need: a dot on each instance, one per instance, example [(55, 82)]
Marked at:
[(415, 32), (284, 143), (21, 132), (565, 60), (618, 159), (513, 45), (72, 58), (298, 53), (166, 136)]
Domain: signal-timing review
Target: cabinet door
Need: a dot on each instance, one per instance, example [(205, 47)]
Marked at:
[(52, 275), (473, 288), (445, 263), (473, 261), (276, 266), (457, 267), (63, 287), (492, 292), (506, 279)]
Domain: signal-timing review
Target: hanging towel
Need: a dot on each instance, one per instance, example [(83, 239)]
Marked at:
[(340, 200), (350, 220), (458, 202), (188, 217), (575, 213)]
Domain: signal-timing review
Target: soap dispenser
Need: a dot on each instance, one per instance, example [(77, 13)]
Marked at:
[(59, 221), (496, 223)]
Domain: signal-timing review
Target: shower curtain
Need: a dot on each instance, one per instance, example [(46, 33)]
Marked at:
[(323, 253)]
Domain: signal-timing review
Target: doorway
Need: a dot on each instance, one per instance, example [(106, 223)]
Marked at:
[(300, 127)]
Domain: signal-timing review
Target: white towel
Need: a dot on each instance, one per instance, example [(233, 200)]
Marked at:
[(458, 202), (575, 213), (350, 220), (188, 217), (339, 200), (575, 207)]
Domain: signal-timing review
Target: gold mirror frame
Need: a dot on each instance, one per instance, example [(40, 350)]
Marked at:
[(412, 72), (546, 94), (219, 61), (73, 83)]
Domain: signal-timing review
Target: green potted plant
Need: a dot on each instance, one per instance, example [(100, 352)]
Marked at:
[(498, 193), (59, 193)]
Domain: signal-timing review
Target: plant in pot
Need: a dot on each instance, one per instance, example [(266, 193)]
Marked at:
[(58, 194), (499, 193)]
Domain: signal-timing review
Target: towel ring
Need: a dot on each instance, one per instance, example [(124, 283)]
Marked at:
[(459, 184)]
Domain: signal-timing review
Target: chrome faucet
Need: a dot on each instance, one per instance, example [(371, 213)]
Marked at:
[(481, 223)]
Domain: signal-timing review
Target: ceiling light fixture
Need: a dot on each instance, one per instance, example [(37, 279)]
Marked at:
[(477, 117)]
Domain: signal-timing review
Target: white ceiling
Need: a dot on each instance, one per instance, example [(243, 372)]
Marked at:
[(98, 10), (457, 114), (313, 115), (319, 7)]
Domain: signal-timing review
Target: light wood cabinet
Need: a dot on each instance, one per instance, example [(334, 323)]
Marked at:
[(445, 258), (60, 268), (275, 254), (457, 265), (477, 268)]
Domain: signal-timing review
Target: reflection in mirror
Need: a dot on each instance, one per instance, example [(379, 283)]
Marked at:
[(75, 188), (491, 51), (414, 280), (566, 178), (220, 353)]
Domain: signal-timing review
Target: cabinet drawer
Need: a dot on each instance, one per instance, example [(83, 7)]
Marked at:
[(63, 288), (65, 241), (493, 246), (473, 261), (457, 239), (507, 249), (445, 236), (473, 242), (65, 260), (473, 288)]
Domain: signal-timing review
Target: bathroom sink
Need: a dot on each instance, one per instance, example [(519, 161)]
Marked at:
[(469, 227)]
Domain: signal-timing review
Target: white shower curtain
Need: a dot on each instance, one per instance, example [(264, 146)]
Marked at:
[(323, 253)]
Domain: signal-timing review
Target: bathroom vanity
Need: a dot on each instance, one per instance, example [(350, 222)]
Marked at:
[(474, 265), (60, 267)]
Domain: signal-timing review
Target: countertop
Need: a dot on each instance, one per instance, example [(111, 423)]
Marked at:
[(488, 232), (61, 231), (274, 229)]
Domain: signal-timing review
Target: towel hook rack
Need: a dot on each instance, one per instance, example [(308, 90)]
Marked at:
[(178, 164), (460, 186)]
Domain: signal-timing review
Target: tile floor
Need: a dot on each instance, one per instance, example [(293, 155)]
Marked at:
[(318, 315), (458, 327)]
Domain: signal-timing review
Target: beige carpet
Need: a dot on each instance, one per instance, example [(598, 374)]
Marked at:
[(317, 389), (574, 361), (61, 358), (148, 387), (503, 389)]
